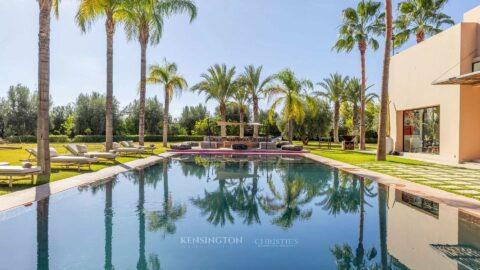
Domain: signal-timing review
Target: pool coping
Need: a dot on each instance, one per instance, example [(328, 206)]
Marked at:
[(30, 195)]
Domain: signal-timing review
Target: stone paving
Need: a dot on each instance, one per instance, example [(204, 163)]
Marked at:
[(458, 180)]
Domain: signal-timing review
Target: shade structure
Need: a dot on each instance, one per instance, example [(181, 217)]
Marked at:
[(466, 79)]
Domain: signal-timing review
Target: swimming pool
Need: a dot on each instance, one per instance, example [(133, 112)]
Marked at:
[(238, 212)]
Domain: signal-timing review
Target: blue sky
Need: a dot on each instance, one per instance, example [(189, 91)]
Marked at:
[(277, 34)]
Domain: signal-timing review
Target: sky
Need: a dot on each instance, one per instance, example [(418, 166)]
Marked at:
[(278, 34)]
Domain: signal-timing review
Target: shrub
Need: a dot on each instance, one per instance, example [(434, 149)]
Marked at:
[(33, 139), (148, 138)]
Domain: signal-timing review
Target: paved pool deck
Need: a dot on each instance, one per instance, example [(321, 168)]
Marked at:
[(28, 196)]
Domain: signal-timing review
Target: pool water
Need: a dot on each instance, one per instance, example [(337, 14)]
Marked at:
[(238, 212)]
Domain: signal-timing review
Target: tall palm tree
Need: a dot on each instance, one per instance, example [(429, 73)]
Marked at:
[(241, 99), (218, 84), (88, 12), (353, 96), (420, 18), (335, 89), (167, 76), (382, 129), (359, 28), (43, 145), (144, 20), (292, 93), (251, 78)]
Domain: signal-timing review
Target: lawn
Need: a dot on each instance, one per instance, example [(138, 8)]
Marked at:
[(14, 157)]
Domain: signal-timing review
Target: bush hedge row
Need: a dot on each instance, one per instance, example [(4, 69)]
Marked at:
[(33, 139)]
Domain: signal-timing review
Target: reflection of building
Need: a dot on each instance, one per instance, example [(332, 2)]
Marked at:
[(433, 110), (426, 235)]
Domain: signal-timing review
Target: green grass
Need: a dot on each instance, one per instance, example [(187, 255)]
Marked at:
[(15, 156)]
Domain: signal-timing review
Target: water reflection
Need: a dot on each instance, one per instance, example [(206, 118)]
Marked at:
[(392, 229)]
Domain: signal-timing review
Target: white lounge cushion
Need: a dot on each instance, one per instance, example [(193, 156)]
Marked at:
[(100, 154), (53, 152), (72, 159), (9, 169)]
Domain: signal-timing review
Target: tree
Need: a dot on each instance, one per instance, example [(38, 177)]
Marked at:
[(359, 28), (291, 92), (190, 115), (316, 123), (382, 129), (167, 76), (153, 116), (88, 12), (241, 98), (59, 116), (353, 96), (19, 111), (251, 78), (218, 85), (335, 91), (43, 145), (90, 113), (420, 18), (144, 20)]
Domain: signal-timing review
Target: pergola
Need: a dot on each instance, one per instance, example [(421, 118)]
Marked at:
[(242, 126), (466, 79)]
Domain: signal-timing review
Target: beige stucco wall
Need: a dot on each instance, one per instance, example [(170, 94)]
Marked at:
[(411, 232), (411, 75), (472, 15)]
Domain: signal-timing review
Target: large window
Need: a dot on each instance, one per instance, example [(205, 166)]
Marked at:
[(421, 130)]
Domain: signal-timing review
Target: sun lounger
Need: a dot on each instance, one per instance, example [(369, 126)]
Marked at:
[(268, 145), (80, 150), (64, 160), (15, 173), (130, 144), (126, 151)]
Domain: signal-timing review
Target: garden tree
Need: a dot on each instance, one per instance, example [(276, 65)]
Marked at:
[(59, 115), (252, 79), (268, 127), (90, 114), (206, 126), (153, 116), (358, 29), (420, 18), (290, 93), (241, 100), (353, 98), (144, 21), (43, 97), (382, 127), (167, 76), (232, 114), (190, 115), (19, 111), (372, 114), (316, 123), (217, 84), (334, 90), (88, 12)]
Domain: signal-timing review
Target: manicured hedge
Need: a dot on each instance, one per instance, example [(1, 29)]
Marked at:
[(33, 139), (148, 138)]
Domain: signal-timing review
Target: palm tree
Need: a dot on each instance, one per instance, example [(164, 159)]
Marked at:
[(359, 28), (167, 76), (144, 20), (165, 219), (291, 92), (382, 129), (43, 145), (353, 95), (420, 18), (251, 78), (88, 12), (335, 89), (241, 98), (218, 84)]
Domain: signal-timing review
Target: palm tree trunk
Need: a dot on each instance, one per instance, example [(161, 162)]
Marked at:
[(420, 36), (255, 116), (223, 111), (355, 119), (336, 119), (110, 29), (290, 131), (143, 74), (165, 117), (382, 129), (242, 119), (43, 146), (363, 48), (42, 234), (108, 226)]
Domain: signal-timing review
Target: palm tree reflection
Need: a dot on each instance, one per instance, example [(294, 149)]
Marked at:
[(42, 234)]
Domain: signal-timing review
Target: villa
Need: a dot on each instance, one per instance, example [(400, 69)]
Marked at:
[(434, 95)]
